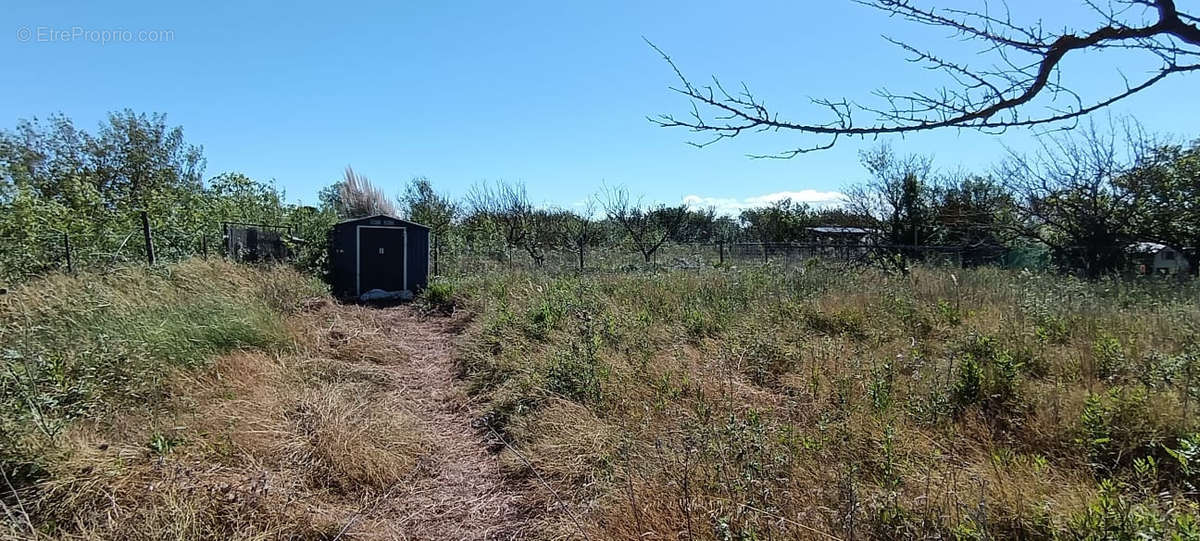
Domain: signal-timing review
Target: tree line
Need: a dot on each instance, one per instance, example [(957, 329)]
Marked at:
[(58, 180), (1079, 202)]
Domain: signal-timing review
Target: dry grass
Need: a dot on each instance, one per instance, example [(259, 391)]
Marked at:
[(750, 404), (295, 440), (715, 404)]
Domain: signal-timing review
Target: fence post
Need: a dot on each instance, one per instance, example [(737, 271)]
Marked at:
[(721, 248), (149, 239), (204, 246), (763, 245), (67, 248), (581, 257), (437, 248)]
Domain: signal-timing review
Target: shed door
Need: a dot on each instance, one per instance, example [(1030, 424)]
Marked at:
[(381, 261)]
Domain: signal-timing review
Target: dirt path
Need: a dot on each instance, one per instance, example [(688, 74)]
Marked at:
[(461, 492)]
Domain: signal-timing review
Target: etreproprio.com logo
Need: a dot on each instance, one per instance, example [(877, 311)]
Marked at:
[(50, 34)]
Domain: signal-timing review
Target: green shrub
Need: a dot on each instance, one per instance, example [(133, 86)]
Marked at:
[(1108, 356), (440, 295), (948, 313), (1187, 462), (1097, 438), (879, 389), (1112, 515), (844, 322), (1123, 424), (968, 390), (576, 378), (701, 323)]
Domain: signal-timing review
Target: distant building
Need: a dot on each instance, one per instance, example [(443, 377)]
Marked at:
[(841, 235), (1155, 258)]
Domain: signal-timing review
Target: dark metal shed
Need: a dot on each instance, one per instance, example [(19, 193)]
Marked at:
[(378, 252)]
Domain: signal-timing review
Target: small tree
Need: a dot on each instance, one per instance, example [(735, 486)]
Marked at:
[(781, 221), (422, 204), (697, 225), (580, 230), (648, 226), (973, 214), (899, 198), (547, 229), (506, 207), (502, 206), (425, 206)]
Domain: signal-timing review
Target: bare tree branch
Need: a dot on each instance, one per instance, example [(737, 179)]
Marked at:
[(992, 100)]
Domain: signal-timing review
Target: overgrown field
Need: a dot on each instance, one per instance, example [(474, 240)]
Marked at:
[(193, 401), (771, 403), (209, 400)]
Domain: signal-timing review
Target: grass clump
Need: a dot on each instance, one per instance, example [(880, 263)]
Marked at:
[(440, 295)]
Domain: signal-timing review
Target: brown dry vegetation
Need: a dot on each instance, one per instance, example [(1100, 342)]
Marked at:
[(345, 423), (211, 401), (775, 403)]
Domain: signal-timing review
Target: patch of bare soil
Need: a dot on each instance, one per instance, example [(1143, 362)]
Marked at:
[(460, 492)]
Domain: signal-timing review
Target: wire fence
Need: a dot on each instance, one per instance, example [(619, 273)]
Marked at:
[(32, 253), (461, 260), (128, 242)]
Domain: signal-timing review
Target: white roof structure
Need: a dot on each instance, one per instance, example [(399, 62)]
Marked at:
[(1147, 247), (842, 230)]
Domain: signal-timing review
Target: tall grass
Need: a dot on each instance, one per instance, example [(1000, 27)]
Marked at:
[(128, 400), (91, 344), (776, 403)]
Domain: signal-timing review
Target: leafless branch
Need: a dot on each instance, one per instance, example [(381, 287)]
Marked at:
[(991, 100)]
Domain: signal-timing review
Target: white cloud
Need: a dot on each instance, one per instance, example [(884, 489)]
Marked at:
[(732, 206)]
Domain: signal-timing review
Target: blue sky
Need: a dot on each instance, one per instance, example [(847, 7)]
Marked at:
[(554, 94)]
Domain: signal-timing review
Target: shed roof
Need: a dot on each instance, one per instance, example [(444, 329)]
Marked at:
[(842, 230), (1147, 247), (383, 216)]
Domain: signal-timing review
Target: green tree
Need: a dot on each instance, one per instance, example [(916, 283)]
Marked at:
[(139, 161), (57, 180), (1169, 176), (422, 204), (900, 199), (781, 221), (973, 214)]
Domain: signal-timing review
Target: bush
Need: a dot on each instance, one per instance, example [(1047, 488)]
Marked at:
[(968, 390), (1111, 515), (440, 295), (1108, 356)]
